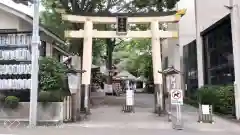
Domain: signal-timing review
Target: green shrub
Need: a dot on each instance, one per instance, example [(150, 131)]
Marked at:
[(52, 75), (47, 96), (207, 95), (221, 97), (191, 102), (225, 99), (57, 96), (11, 102), (44, 96)]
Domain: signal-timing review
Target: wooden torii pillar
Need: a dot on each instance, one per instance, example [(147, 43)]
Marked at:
[(138, 18)]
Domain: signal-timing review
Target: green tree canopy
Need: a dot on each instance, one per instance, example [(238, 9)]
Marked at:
[(135, 56), (52, 19)]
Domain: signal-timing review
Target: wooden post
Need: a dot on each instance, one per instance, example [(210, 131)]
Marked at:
[(87, 63), (157, 66), (76, 63)]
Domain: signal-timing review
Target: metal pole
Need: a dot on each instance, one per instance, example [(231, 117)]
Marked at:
[(199, 48), (234, 10), (35, 67)]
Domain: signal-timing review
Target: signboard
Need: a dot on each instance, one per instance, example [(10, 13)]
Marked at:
[(129, 97), (129, 93), (122, 25), (205, 109), (108, 88), (176, 97), (173, 82), (73, 82)]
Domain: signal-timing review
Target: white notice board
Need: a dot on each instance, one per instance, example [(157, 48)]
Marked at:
[(129, 97)]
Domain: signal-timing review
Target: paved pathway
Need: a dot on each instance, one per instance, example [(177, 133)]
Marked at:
[(109, 120), (190, 117)]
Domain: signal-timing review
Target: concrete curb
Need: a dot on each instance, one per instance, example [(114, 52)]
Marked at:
[(13, 123)]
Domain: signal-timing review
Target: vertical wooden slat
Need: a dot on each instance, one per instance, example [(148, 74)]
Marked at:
[(67, 108)]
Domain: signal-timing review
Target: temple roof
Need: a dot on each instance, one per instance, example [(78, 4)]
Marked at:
[(170, 71), (141, 78), (125, 75)]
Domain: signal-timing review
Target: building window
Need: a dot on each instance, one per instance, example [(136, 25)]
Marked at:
[(165, 66), (56, 54), (4, 31), (190, 67), (218, 59), (43, 49)]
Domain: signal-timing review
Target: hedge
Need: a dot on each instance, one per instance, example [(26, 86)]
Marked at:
[(221, 97)]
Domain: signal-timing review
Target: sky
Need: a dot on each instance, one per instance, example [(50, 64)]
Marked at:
[(29, 10), (25, 9), (185, 4)]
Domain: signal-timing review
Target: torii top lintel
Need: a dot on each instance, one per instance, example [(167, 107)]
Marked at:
[(140, 14), (103, 17)]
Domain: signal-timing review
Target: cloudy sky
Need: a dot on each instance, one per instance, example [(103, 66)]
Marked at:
[(29, 10), (25, 9)]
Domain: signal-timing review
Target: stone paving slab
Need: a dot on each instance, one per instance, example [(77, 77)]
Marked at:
[(104, 131), (190, 118), (109, 120), (112, 118)]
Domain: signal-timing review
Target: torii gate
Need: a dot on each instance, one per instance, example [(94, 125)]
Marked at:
[(138, 18)]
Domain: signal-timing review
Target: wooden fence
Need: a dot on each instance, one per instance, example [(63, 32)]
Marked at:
[(67, 109)]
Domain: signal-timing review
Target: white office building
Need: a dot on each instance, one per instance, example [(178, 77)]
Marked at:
[(215, 46)]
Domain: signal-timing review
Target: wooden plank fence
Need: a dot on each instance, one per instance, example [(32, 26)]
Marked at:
[(67, 109)]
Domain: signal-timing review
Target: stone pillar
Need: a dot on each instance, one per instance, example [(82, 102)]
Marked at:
[(87, 63), (157, 66)]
